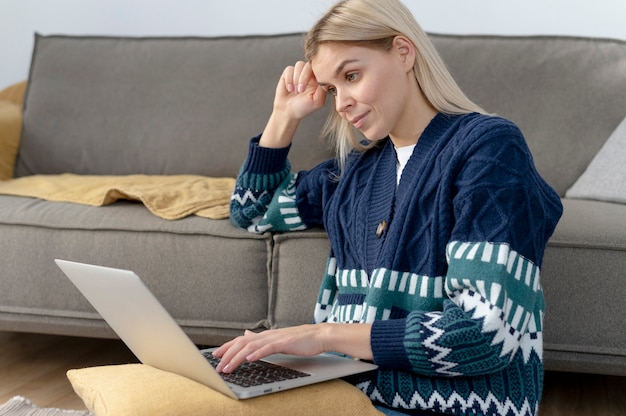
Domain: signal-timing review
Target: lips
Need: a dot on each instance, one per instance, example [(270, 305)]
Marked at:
[(358, 121)]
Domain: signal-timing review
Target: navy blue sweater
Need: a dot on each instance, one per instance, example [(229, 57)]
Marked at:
[(445, 265)]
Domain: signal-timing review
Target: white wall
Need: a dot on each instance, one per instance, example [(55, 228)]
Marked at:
[(19, 19)]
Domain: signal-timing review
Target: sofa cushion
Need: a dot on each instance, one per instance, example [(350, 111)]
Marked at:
[(117, 106), (605, 177), (209, 275), (584, 283), (566, 94), (298, 266)]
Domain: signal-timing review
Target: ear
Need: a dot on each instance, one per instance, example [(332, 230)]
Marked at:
[(405, 50)]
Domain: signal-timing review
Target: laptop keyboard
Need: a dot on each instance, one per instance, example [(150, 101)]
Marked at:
[(256, 373)]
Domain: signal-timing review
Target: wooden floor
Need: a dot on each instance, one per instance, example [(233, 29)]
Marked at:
[(34, 366)]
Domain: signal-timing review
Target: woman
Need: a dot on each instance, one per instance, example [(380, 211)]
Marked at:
[(437, 222)]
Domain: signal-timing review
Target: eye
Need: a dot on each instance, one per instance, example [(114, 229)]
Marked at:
[(352, 76), (332, 91)]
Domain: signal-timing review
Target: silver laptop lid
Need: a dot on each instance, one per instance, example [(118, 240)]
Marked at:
[(141, 322)]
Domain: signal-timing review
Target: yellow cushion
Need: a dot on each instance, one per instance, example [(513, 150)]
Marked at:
[(14, 93), (11, 99), (137, 389), (10, 131)]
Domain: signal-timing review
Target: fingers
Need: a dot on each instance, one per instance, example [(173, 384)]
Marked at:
[(304, 75), (287, 79), (297, 92), (301, 340), (248, 347), (298, 77)]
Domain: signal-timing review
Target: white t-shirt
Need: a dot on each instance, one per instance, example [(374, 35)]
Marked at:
[(403, 154)]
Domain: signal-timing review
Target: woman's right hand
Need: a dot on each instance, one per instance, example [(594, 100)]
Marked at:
[(297, 95)]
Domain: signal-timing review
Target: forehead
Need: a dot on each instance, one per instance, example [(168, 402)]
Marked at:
[(331, 58)]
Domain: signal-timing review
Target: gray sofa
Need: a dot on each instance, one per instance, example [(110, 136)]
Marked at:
[(117, 106)]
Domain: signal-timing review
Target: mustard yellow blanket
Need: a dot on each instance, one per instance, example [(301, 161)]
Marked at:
[(169, 197)]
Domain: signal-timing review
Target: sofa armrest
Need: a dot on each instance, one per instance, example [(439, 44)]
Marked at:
[(11, 102)]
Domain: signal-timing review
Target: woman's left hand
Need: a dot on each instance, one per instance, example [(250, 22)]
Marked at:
[(304, 340)]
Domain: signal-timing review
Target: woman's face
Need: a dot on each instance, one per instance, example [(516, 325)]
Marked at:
[(374, 90)]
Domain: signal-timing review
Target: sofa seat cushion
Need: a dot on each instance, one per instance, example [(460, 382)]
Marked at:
[(584, 281), (298, 266), (207, 273), (592, 225)]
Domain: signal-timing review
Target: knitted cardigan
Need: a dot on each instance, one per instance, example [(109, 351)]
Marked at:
[(445, 265)]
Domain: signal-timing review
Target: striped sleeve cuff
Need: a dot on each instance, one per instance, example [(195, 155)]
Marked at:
[(265, 160), (387, 342)]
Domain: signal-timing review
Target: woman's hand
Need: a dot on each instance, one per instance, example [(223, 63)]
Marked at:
[(304, 340), (297, 95)]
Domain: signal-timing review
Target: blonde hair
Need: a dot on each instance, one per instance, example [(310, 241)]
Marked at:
[(375, 23)]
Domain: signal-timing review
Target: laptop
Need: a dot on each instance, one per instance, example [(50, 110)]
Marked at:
[(143, 324)]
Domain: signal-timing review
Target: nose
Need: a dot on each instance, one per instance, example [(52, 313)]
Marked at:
[(343, 100)]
